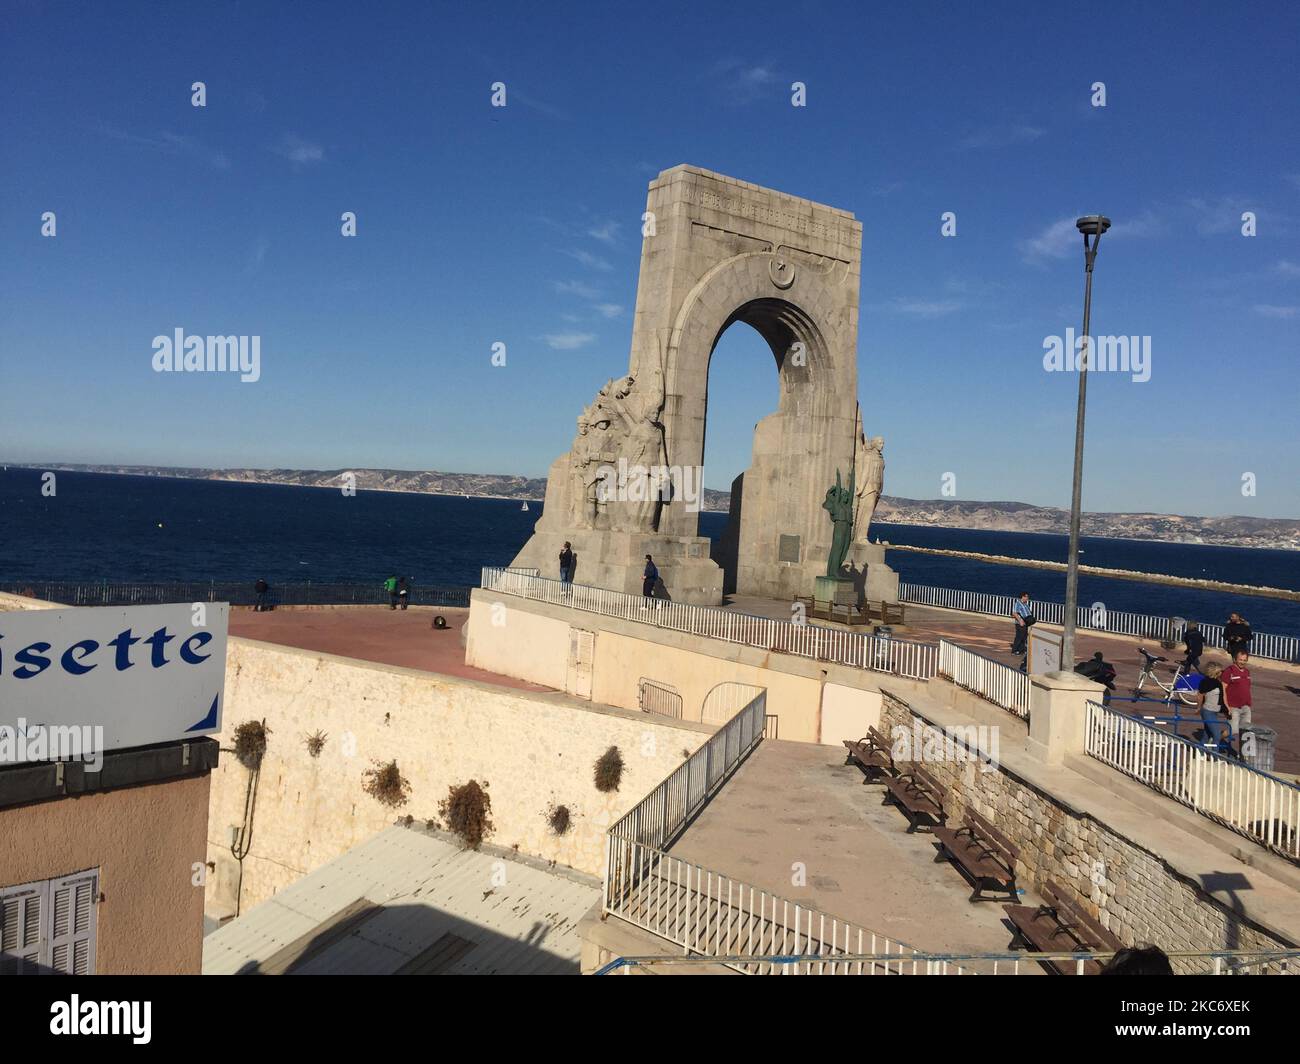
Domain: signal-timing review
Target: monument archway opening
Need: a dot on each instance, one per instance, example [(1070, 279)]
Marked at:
[(747, 387), (718, 252)]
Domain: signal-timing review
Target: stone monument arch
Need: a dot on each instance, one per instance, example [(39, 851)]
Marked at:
[(717, 251)]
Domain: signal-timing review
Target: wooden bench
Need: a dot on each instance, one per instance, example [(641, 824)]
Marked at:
[(918, 794), (873, 752), (885, 613), (982, 852), (1061, 926)]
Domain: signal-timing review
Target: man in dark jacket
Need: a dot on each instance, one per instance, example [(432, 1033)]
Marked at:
[(1236, 634), (566, 564), (648, 580), (1099, 670), (261, 587), (1195, 644)]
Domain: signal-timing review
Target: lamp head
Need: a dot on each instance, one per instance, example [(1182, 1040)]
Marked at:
[(1092, 224)]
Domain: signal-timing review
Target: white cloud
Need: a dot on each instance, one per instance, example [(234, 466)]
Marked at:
[(1001, 136), (577, 288), (1057, 241), (569, 341), (257, 256), (1219, 216), (609, 310), (1287, 268), (171, 144), (606, 233), (1269, 310), (592, 262), (923, 308), (742, 83), (297, 150)]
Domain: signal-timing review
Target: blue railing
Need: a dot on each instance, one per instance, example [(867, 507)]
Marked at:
[(305, 593)]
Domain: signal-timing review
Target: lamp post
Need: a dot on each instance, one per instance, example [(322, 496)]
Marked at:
[(1091, 226)]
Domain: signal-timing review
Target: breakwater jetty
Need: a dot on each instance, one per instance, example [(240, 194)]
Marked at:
[(1280, 593)]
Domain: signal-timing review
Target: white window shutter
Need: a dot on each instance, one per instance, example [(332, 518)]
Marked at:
[(72, 923), (22, 921)]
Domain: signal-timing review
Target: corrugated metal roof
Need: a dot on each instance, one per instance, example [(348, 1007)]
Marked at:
[(521, 918)]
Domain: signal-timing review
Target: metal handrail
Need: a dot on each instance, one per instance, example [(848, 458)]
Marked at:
[(1270, 645), (877, 653), (1017, 694), (1225, 962), (1237, 795), (238, 593)]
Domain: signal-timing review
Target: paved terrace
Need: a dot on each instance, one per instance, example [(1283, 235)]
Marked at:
[(374, 633), (799, 802), (396, 637), (1275, 687)]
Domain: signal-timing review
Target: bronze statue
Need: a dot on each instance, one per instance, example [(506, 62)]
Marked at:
[(839, 504)]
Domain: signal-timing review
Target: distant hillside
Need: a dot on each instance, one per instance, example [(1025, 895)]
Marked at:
[(1278, 533), (1275, 532)]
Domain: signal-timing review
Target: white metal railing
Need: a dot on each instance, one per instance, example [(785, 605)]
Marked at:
[(709, 913), (1145, 626), (879, 653), (660, 815), (1256, 804), (1186, 962), (655, 697), (751, 930), (724, 700), (1000, 684)]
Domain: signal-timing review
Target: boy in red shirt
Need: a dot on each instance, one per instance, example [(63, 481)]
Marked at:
[(1236, 699)]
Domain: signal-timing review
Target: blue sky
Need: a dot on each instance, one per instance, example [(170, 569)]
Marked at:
[(521, 225)]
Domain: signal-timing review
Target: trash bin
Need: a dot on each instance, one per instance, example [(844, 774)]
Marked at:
[(1258, 747), (884, 633)]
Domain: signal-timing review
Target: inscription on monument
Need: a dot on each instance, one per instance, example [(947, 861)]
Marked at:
[(788, 549), (766, 215)]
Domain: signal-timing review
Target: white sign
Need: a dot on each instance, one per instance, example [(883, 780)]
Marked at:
[(1044, 651), (77, 682)]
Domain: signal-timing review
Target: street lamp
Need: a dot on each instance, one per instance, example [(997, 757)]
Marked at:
[(1091, 226)]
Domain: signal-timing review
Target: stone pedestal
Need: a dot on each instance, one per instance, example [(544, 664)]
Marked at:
[(616, 560), (1058, 712), (876, 581), (834, 591)]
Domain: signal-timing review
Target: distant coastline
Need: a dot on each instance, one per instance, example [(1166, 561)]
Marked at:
[(1239, 531)]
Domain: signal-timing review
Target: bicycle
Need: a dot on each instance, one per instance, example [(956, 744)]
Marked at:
[(1148, 672)]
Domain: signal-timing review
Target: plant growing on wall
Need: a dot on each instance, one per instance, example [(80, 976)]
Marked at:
[(560, 819), (609, 770), (316, 743), (386, 784), (250, 742), (467, 812)]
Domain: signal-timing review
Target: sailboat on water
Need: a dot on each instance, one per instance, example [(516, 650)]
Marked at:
[(524, 507)]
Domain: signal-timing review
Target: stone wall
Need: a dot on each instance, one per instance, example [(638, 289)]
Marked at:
[(1128, 888), (532, 641), (532, 749)]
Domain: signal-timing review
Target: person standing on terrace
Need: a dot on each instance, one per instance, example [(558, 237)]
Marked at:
[(1023, 617), (1236, 699), (1194, 641), (1236, 634), (1209, 699), (649, 578)]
